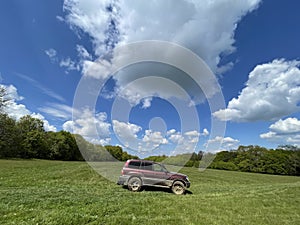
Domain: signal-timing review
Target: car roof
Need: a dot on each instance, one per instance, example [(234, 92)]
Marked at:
[(142, 160)]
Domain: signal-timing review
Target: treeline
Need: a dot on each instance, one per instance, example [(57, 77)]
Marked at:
[(285, 160), (92, 152), (27, 138)]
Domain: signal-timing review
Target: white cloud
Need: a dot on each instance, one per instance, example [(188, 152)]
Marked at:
[(47, 126), (92, 17), (185, 143), (205, 132), (91, 126), (57, 110), (287, 126), (154, 139), (97, 69), (226, 143), (51, 53), (272, 91), (197, 25), (284, 132), (131, 136), (69, 64), (12, 93), (146, 103), (127, 133), (16, 110), (201, 25), (83, 53), (60, 19)]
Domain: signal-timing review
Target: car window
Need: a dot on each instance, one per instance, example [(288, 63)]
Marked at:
[(134, 164), (147, 166), (157, 167)]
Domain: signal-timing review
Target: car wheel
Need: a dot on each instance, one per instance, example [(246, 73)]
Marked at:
[(134, 184), (178, 188)]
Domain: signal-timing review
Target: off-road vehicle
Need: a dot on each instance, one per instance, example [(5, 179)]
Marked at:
[(138, 173)]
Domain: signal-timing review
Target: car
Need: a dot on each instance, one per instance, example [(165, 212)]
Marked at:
[(137, 173)]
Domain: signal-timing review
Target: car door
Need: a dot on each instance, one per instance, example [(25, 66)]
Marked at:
[(147, 171), (160, 175)]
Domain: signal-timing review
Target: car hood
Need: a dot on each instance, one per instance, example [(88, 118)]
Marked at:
[(177, 174)]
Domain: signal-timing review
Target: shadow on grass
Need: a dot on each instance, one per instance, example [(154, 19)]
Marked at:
[(158, 189)]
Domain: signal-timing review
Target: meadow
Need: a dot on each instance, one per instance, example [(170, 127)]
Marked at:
[(57, 192)]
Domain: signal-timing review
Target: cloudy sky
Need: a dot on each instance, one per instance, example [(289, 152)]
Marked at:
[(65, 63)]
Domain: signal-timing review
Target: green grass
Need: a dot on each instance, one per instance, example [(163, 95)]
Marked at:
[(53, 192)]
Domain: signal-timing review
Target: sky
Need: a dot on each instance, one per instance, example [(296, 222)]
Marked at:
[(156, 77)]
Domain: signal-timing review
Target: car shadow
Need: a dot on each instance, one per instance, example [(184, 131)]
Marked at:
[(158, 189)]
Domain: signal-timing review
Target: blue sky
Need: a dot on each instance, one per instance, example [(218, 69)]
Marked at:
[(48, 48)]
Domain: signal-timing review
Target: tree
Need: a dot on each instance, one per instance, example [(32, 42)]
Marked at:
[(9, 140), (33, 139), (4, 99), (63, 146)]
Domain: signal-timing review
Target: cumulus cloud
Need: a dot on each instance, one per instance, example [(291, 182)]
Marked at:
[(272, 91), (51, 53), (133, 137), (287, 126), (184, 142), (83, 53), (154, 139), (227, 143), (126, 132), (285, 131), (197, 25), (200, 27), (69, 64), (16, 110), (47, 126), (205, 132), (92, 126)]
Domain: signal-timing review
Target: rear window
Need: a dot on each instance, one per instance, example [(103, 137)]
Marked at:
[(134, 164)]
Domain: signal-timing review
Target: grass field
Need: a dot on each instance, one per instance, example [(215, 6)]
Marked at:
[(53, 192)]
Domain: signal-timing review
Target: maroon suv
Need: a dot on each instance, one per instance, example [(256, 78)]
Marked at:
[(137, 173)]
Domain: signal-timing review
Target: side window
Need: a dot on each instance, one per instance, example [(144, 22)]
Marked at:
[(134, 164), (157, 167), (147, 166)]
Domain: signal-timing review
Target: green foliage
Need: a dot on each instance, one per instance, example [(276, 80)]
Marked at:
[(158, 158), (63, 146), (8, 137), (4, 100), (221, 165), (260, 160)]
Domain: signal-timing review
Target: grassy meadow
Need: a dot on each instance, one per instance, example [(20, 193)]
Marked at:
[(55, 192)]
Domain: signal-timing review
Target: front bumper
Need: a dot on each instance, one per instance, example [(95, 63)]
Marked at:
[(187, 184), (122, 180)]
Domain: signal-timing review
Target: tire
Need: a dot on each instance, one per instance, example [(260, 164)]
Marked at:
[(178, 188), (134, 184)]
